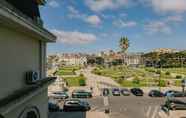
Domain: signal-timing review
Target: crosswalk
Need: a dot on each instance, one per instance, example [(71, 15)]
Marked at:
[(154, 112)]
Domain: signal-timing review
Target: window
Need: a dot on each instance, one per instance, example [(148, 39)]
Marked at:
[(31, 112)]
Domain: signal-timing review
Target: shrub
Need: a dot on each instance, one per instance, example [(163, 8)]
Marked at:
[(120, 80), (158, 72), (167, 73), (82, 82), (81, 75), (136, 80), (162, 83), (178, 76), (98, 73), (177, 83)]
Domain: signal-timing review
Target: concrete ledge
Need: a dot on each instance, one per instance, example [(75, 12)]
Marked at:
[(18, 97), (78, 115)]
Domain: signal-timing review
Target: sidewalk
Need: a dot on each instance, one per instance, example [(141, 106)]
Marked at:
[(173, 114), (96, 115), (78, 115)]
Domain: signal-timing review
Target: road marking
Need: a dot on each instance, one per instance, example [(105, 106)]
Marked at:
[(162, 114), (148, 111), (105, 101), (155, 112)]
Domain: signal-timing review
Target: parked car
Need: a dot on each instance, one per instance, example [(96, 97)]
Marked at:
[(106, 92), (137, 91), (81, 94), (125, 92), (156, 93), (53, 106), (116, 92), (59, 95), (175, 93), (175, 104), (76, 105)]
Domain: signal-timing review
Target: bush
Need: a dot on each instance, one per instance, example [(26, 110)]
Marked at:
[(177, 83), (162, 83), (120, 80), (98, 73), (136, 80), (167, 73), (178, 76), (81, 75), (82, 82), (158, 72)]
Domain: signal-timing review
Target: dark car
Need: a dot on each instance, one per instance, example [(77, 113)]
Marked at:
[(175, 104), (81, 94), (175, 93), (106, 92), (125, 92), (116, 92), (137, 91), (53, 107), (156, 93), (76, 105), (59, 95)]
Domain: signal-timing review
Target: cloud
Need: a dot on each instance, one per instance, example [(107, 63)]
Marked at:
[(101, 5), (157, 27), (175, 18), (120, 23), (74, 37), (169, 5), (53, 3), (164, 25), (93, 20)]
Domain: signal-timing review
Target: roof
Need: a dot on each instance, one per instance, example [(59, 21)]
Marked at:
[(12, 18)]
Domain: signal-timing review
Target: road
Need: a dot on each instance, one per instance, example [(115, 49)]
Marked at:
[(129, 106), (120, 106), (98, 82)]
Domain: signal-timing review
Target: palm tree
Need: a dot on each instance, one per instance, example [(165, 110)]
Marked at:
[(124, 45)]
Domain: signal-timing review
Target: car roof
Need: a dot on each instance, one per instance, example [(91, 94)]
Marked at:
[(72, 100), (79, 90), (59, 92), (155, 90)]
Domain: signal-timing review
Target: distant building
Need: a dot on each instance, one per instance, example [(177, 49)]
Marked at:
[(23, 83), (128, 59), (67, 59), (133, 59), (165, 50)]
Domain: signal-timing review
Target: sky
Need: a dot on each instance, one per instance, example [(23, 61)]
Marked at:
[(91, 26)]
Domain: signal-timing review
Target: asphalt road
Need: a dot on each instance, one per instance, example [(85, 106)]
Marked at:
[(129, 106)]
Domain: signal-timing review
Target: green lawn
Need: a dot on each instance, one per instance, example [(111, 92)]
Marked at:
[(68, 70), (141, 76), (75, 81)]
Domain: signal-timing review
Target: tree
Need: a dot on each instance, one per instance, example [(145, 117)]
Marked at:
[(124, 45)]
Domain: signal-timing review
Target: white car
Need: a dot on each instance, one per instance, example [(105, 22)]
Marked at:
[(59, 95)]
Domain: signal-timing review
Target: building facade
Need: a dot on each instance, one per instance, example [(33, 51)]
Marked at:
[(23, 50), (66, 59)]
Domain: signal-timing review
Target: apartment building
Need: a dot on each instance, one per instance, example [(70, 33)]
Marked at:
[(133, 59), (23, 83), (67, 59)]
